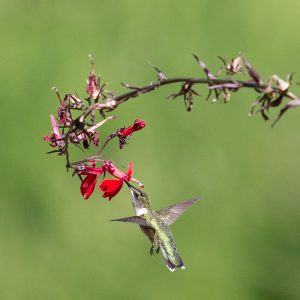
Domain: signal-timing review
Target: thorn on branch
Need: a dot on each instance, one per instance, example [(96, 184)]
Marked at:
[(160, 75), (131, 87), (204, 67)]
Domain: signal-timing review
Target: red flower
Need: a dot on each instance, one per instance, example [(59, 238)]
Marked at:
[(124, 133), (88, 184), (137, 125), (111, 187), (114, 171)]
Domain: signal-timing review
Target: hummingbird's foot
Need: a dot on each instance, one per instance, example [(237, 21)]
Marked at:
[(152, 251)]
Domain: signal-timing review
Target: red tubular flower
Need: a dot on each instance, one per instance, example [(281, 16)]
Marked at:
[(137, 125), (114, 171), (111, 187), (124, 133), (88, 184)]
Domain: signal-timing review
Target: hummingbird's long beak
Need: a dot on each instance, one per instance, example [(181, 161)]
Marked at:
[(128, 184), (132, 188)]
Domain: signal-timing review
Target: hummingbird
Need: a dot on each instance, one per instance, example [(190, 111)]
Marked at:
[(155, 225)]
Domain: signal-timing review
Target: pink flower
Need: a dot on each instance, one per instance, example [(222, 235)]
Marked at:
[(124, 133), (93, 88), (55, 128), (111, 187), (70, 101), (56, 139), (64, 116)]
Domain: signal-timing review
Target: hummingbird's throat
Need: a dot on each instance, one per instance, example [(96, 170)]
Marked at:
[(140, 204), (141, 211)]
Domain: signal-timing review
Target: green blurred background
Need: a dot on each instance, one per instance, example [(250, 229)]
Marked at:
[(240, 242)]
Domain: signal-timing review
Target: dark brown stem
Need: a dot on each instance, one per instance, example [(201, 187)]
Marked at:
[(76, 163), (154, 86)]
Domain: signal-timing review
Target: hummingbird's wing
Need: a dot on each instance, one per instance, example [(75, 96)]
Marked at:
[(134, 219), (171, 213)]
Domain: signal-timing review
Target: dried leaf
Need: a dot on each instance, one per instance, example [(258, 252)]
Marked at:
[(252, 72), (281, 84), (290, 104)]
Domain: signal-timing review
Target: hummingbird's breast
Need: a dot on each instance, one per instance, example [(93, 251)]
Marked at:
[(163, 231), (165, 238)]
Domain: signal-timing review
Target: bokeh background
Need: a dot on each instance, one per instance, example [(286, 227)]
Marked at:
[(240, 242)]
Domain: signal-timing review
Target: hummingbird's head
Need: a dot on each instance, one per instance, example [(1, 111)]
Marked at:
[(138, 197)]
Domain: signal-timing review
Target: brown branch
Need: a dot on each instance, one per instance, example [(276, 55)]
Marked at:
[(78, 130), (216, 82), (154, 86)]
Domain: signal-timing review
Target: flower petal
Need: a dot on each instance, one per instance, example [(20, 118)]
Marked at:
[(129, 171), (55, 128), (138, 125), (88, 185), (125, 132), (110, 187), (91, 170), (93, 86), (136, 181), (113, 170)]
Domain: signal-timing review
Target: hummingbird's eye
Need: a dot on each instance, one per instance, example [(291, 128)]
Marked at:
[(136, 192)]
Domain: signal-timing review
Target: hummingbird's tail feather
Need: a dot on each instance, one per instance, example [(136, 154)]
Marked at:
[(172, 265)]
